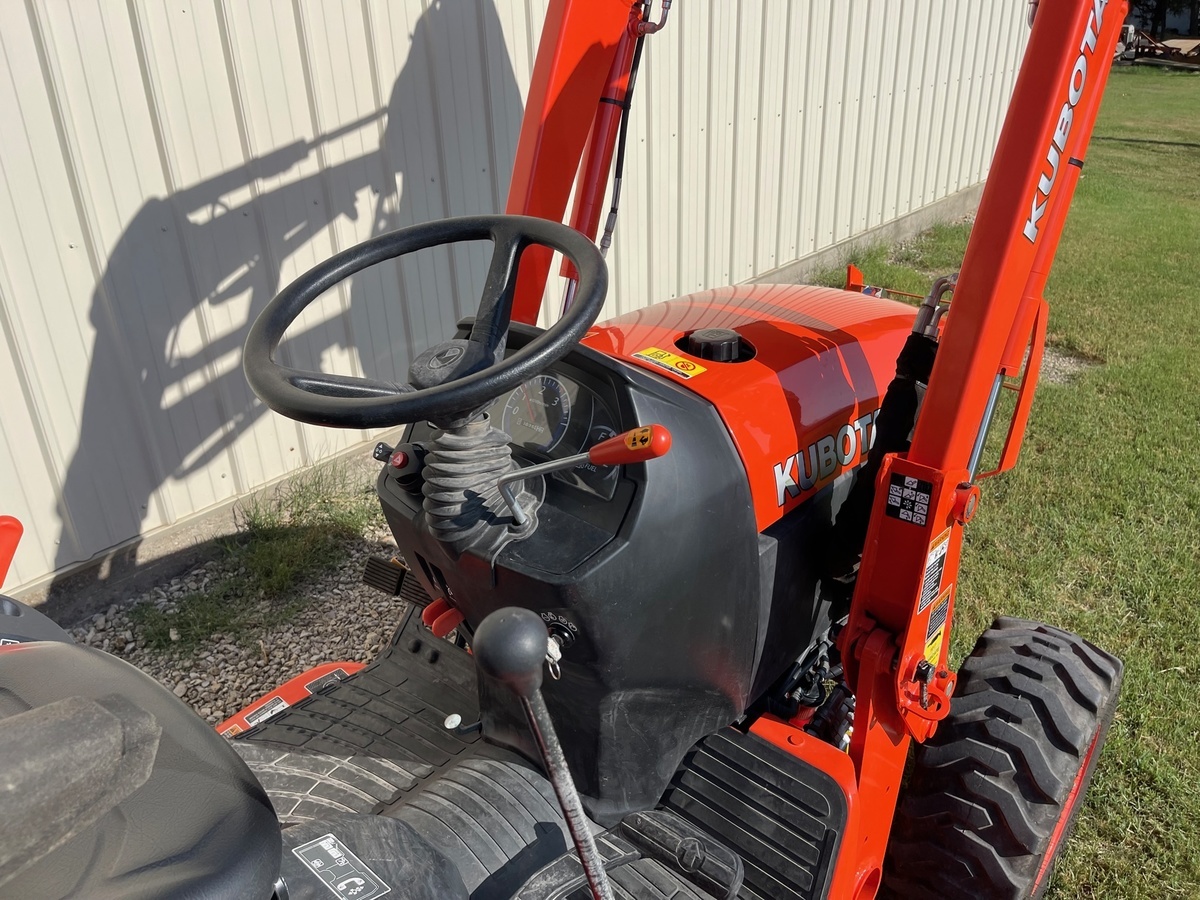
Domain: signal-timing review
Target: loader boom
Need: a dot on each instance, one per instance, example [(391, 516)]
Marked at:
[(902, 611)]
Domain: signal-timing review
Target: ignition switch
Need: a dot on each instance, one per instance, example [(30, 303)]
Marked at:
[(560, 638), (562, 634)]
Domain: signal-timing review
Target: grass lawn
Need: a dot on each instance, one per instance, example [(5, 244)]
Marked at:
[(1098, 528), (287, 535)]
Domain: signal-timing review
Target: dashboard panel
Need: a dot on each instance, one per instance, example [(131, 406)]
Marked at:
[(555, 415)]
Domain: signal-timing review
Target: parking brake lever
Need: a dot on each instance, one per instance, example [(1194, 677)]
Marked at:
[(510, 646), (636, 445)]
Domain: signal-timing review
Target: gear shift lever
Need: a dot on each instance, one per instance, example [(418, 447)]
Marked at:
[(510, 646)]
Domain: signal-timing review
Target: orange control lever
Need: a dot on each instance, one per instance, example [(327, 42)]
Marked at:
[(636, 445), (642, 443), (11, 531)]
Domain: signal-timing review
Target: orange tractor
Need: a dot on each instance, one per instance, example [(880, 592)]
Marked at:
[(682, 582)]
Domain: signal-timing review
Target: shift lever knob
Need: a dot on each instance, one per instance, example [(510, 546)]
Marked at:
[(510, 646)]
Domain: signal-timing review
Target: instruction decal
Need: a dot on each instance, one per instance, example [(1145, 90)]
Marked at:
[(272, 707), (325, 680), (670, 362), (935, 565), (935, 633), (639, 438), (908, 498), (347, 876)]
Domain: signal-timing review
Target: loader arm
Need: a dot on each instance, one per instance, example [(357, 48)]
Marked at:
[(897, 639), (578, 80)]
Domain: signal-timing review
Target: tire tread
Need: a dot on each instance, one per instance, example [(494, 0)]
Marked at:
[(986, 791)]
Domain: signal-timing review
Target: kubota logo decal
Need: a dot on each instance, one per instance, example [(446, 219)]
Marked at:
[(801, 471), (1058, 143)]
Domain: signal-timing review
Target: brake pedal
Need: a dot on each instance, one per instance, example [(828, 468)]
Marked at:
[(385, 575)]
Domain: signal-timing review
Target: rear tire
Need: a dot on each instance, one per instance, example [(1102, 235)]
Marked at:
[(993, 794)]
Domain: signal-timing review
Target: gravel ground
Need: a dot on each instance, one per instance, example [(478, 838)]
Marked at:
[(344, 621), (1061, 367)]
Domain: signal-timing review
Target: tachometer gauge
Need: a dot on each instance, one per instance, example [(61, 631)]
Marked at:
[(537, 413)]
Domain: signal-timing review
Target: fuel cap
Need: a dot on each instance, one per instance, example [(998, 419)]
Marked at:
[(717, 344)]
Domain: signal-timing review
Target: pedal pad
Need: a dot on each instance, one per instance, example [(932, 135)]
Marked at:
[(385, 575), (682, 847)]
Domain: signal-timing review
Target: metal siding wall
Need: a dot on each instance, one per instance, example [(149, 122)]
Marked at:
[(166, 167)]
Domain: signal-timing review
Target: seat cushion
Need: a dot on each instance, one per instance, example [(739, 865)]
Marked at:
[(198, 826)]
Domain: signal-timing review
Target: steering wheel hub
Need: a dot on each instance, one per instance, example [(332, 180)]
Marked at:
[(448, 361)]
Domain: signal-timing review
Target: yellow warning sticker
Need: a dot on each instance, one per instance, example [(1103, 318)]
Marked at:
[(676, 365), (638, 438), (935, 633), (935, 565)]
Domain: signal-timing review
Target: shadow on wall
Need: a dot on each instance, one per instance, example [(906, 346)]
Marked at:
[(156, 410)]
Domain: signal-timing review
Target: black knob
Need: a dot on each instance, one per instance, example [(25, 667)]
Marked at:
[(510, 646), (717, 344)]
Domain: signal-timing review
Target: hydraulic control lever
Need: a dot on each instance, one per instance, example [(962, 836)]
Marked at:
[(510, 647), (636, 445)]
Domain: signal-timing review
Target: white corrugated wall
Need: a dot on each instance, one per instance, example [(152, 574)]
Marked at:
[(165, 167)]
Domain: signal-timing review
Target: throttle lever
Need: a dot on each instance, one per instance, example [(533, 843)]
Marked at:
[(634, 446)]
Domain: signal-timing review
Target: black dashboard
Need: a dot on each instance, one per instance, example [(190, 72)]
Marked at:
[(575, 403), (652, 569)]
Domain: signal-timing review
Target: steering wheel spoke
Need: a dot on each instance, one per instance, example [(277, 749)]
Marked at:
[(347, 387), (472, 372), (495, 305)]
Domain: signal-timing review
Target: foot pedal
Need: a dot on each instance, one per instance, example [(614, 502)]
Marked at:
[(685, 849), (782, 816), (385, 575)]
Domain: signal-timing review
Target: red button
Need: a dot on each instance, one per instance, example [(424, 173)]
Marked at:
[(399, 460)]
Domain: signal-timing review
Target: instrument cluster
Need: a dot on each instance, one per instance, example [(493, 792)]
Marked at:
[(553, 416)]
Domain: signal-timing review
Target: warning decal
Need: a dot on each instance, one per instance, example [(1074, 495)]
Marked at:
[(347, 876), (908, 498), (935, 564), (676, 365), (935, 634)]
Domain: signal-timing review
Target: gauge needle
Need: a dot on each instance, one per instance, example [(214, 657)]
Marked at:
[(529, 407)]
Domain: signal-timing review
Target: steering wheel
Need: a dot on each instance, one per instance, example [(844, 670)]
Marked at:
[(450, 379)]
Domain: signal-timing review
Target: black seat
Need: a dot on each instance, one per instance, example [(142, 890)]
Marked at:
[(119, 790)]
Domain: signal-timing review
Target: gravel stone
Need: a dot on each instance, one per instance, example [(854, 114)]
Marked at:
[(343, 621)]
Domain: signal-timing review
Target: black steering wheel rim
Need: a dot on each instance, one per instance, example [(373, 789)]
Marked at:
[(350, 402)]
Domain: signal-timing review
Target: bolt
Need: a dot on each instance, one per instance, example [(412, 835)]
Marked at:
[(690, 854), (923, 675)]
